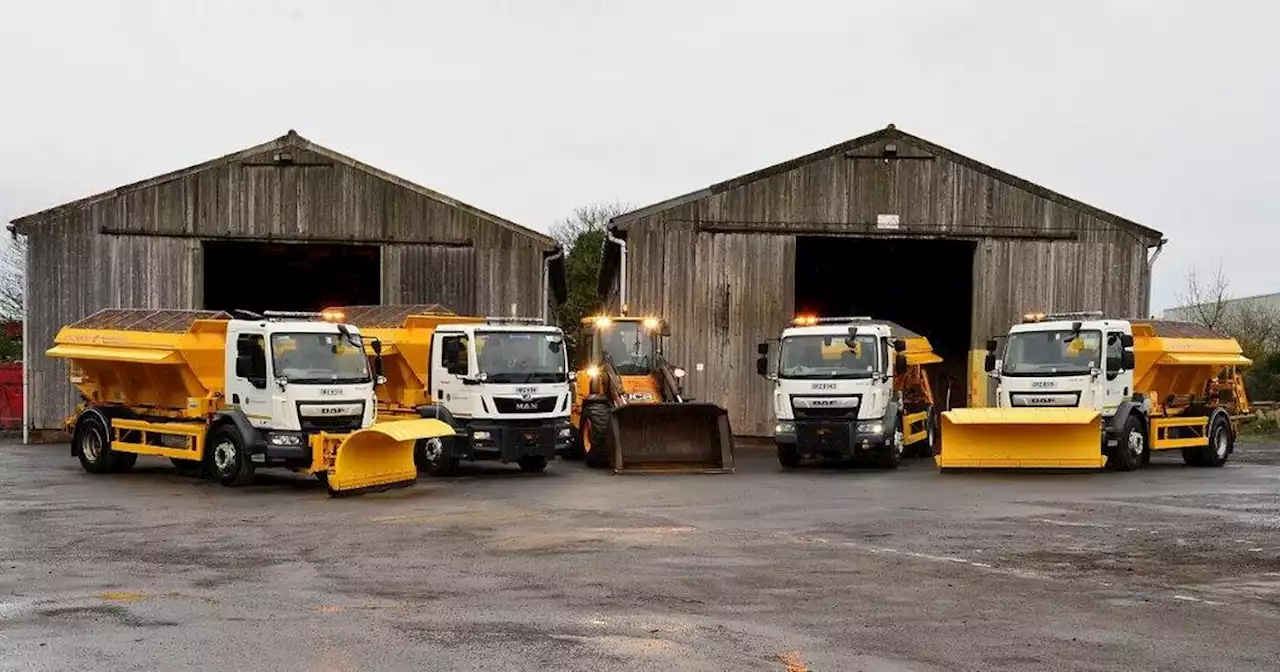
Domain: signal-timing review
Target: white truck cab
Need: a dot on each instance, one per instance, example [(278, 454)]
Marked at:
[(1065, 360), (833, 392), (505, 385), (293, 374)]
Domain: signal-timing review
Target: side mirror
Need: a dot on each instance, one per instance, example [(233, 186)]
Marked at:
[(377, 347), (380, 380), (762, 366), (899, 345), (377, 363), (991, 346), (899, 362), (664, 328), (1126, 359), (762, 349), (989, 362), (1126, 340)]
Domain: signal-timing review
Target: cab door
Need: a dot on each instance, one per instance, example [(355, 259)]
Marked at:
[(249, 375), (450, 369)]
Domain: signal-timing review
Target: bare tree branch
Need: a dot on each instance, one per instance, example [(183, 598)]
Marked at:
[(586, 218), (13, 266), (1206, 299)]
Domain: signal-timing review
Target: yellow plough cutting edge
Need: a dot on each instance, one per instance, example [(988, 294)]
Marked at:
[(1021, 438), (381, 457)]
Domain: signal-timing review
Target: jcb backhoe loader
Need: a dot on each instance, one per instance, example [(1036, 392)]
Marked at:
[(629, 409)]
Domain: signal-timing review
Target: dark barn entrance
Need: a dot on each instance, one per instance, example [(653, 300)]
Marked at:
[(290, 276), (924, 285)]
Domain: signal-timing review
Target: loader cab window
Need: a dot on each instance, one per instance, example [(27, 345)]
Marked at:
[(521, 357), (828, 357), (1052, 353), (629, 345), (319, 358)]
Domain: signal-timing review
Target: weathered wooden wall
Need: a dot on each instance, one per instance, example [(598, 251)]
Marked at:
[(721, 264), (141, 248)]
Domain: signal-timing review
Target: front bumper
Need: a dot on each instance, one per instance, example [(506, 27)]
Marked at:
[(510, 440), (833, 438)]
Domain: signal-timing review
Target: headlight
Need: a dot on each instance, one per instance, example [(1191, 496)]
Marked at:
[(480, 436), (566, 432), (871, 427), (285, 440), (784, 428), (678, 372)]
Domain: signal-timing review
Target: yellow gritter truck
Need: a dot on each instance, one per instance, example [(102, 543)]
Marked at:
[(502, 383), (227, 396), (1077, 390)]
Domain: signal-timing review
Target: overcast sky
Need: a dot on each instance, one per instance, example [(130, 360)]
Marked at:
[(1163, 112)]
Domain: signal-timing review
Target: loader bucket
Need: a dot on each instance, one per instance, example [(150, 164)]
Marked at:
[(671, 438), (381, 457), (1021, 438)]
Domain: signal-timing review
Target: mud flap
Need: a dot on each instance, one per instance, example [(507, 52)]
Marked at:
[(380, 457), (680, 438), (1021, 438)]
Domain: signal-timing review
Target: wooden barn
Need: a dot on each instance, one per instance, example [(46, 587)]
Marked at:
[(286, 225), (887, 225)]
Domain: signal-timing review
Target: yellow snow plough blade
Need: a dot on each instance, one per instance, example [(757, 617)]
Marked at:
[(381, 457), (681, 438), (1021, 438)]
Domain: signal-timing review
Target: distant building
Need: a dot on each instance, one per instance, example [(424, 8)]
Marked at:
[(1192, 313)]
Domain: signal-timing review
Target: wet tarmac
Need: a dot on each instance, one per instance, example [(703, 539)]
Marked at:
[(1168, 568)]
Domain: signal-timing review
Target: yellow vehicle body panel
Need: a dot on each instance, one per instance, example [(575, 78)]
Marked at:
[(1020, 438)]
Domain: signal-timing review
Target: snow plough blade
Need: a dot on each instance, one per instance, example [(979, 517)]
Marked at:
[(680, 438), (1021, 438), (380, 457)]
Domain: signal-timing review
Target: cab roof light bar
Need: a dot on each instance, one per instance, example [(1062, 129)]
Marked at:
[(810, 320), (514, 320), (327, 315), (1076, 315)]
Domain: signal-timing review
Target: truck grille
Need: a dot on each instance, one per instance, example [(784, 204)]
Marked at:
[(347, 423), (517, 406)]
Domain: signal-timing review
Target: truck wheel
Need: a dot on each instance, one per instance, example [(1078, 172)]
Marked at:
[(436, 457), (595, 435), (1131, 446), (788, 455), (1221, 443), (228, 459), (891, 454), (533, 464), (93, 445), (924, 449)]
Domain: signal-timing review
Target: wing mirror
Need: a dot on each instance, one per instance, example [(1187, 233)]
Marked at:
[(762, 366), (989, 362), (899, 345)]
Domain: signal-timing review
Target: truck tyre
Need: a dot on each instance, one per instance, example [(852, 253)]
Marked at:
[(788, 455), (227, 457), (595, 435), (890, 455), (924, 449), (1131, 446), (437, 457), (533, 464), (93, 445), (1221, 442)]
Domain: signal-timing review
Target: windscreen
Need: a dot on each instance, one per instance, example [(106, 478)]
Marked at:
[(521, 357), (630, 346), (1052, 353), (319, 358), (827, 357)]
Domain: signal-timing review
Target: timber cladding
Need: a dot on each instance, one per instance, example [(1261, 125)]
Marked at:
[(720, 263), (141, 245)]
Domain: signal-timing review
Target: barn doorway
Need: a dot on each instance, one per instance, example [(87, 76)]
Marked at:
[(924, 285), (290, 276)]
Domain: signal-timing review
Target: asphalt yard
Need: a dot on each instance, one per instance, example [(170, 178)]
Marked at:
[(824, 568)]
